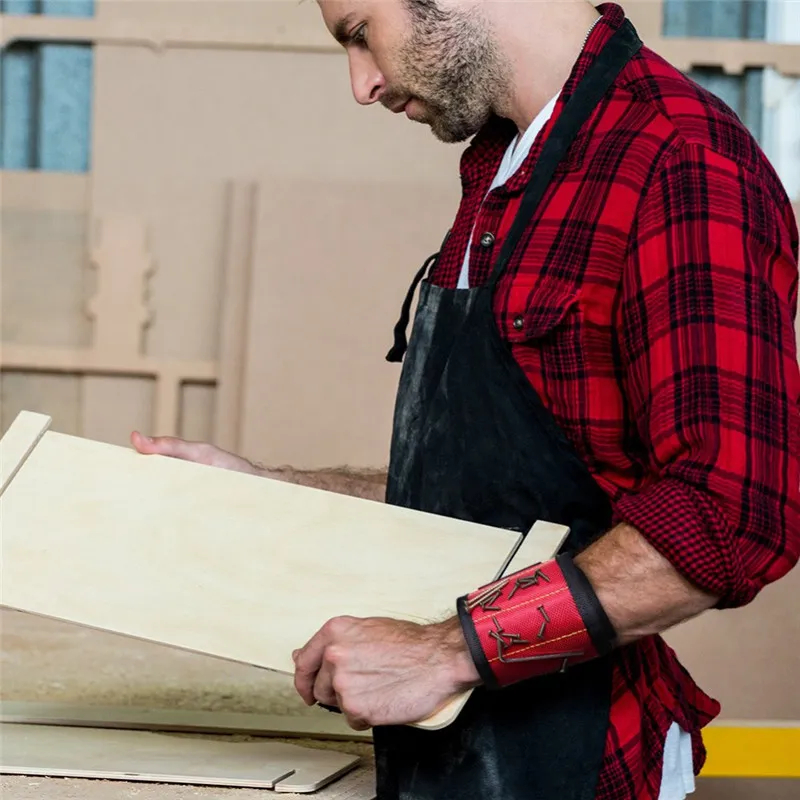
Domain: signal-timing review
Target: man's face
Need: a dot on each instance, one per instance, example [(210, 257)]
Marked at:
[(433, 59)]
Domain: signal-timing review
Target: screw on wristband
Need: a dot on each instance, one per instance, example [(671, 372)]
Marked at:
[(537, 621)]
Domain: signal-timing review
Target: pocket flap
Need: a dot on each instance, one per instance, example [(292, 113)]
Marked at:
[(534, 315)]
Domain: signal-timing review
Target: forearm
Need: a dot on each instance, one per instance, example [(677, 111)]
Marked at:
[(564, 611), (639, 589), (366, 484)]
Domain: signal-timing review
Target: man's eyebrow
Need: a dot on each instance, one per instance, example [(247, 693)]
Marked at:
[(340, 31)]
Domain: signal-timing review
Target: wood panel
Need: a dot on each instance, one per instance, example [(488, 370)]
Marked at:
[(223, 563)]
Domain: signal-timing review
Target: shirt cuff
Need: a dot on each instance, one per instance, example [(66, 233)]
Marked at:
[(690, 530)]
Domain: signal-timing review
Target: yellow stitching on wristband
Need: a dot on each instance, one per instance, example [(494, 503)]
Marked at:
[(537, 599), (542, 644)]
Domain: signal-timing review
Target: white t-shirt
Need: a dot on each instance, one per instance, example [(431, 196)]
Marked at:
[(515, 154), (677, 778)]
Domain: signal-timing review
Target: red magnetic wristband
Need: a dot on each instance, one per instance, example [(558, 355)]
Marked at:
[(537, 621)]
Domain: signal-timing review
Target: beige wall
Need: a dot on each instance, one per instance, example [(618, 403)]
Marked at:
[(350, 202)]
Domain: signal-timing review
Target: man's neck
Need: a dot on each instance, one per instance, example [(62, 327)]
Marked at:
[(541, 42)]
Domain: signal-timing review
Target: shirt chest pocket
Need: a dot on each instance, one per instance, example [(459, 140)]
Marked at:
[(531, 316), (550, 339)]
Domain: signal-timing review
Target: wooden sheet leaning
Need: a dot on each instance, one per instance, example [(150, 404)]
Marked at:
[(222, 563)]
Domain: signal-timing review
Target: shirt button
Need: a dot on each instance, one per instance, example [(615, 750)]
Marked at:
[(519, 322), (487, 239)]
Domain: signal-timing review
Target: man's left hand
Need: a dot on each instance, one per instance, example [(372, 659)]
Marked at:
[(384, 671)]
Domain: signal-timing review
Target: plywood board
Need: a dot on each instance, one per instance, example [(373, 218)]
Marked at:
[(322, 724), (223, 563), (163, 758)]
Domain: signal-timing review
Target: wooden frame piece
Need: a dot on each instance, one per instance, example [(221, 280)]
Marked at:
[(275, 33), (240, 226), (124, 266), (149, 546), (733, 55)]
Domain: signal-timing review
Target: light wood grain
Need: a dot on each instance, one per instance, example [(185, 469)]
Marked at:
[(163, 758), (219, 562), (223, 563)]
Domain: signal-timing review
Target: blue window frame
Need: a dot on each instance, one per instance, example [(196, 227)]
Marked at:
[(45, 110), (725, 19)]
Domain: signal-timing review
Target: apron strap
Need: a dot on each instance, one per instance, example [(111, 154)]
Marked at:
[(400, 341), (623, 44)]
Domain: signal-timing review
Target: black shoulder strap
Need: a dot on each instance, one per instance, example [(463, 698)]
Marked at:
[(616, 53)]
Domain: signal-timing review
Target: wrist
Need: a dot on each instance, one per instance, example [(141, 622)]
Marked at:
[(461, 669)]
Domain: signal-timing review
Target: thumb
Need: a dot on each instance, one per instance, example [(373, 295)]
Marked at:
[(161, 445)]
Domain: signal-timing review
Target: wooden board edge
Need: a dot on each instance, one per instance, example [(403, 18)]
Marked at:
[(18, 442), (329, 727), (298, 782), (132, 777), (518, 559)]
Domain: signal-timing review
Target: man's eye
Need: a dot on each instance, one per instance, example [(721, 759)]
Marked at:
[(360, 35)]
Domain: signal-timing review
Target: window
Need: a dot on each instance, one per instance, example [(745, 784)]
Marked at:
[(45, 110), (728, 19)]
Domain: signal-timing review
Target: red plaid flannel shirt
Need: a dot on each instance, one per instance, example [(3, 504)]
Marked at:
[(651, 305)]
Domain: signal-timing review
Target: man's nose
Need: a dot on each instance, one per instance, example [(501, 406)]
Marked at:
[(366, 79)]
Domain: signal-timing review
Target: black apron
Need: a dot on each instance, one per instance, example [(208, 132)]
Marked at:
[(472, 440)]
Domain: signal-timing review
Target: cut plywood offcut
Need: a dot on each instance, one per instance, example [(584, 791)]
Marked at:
[(231, 565), (163, 758)]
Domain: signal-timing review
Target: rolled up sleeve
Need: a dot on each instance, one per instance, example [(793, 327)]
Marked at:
[(707, 340)]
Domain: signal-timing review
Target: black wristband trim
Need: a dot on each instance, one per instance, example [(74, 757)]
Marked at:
[(594, 617), (474, 644)]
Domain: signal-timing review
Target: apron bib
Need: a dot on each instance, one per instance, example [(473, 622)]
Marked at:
[(472, 440)]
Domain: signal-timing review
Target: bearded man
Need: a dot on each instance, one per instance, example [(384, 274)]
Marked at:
[(604, 340)]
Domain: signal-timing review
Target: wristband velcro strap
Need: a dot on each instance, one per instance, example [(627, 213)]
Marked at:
[(537, 621)]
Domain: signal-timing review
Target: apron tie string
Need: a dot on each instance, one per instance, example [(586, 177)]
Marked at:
[(400, 341)]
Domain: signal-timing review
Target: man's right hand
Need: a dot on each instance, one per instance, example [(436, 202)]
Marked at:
[(199, 452)]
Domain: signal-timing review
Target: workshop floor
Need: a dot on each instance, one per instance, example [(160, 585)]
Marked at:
[(41, 659)]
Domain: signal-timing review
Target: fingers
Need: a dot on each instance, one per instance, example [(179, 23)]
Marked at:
[(331, 689), (309, 659), (165, 446), (307, 663), (323, 684)]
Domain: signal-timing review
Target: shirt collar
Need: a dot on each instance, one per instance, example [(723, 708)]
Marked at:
[(490, 143)]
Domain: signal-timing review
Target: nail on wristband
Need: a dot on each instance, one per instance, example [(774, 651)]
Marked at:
[(537, 621)]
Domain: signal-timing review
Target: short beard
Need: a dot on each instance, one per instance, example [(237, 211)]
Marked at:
[(451, 53)]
